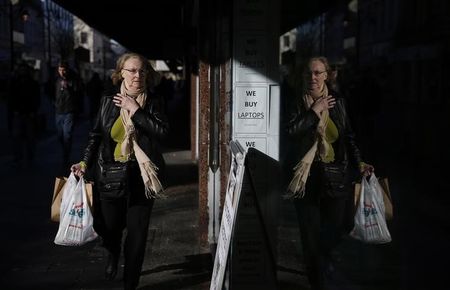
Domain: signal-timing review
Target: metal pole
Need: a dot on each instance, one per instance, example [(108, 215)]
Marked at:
[(214, 34), (214, 117), (358, 34), (11, 34), (49, 43)]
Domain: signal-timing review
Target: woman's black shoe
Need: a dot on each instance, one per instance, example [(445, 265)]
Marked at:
[(111, 266)]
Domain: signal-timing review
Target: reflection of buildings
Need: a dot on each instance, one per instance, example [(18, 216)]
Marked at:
[(394, 64), (393, 38), (87, 49), (50, 33), (94, 52), (420, 49), (287, 45), (395, 59), (22, 23)]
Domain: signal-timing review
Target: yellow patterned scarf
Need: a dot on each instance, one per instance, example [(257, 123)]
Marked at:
[(296, 188), (129, 146)]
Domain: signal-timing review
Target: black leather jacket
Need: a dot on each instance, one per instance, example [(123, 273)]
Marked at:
[(151, 126), (301, 130)]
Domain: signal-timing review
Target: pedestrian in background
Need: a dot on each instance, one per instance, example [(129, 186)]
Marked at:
[(67, 93), (320, 163), (24, 102), (123, 153)]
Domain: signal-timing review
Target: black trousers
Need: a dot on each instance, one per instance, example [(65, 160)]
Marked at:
[(321, 222), (130, 213)]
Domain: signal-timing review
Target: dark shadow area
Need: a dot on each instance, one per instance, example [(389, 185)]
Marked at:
[(290, 270), (291, 286), (30, 259), (195, 264), (197, 267), (181, 174), (184, 283), (178, 108)]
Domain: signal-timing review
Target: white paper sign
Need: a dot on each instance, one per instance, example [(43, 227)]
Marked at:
[(257, 143), (250, 112), (251, 58), (226, 226)]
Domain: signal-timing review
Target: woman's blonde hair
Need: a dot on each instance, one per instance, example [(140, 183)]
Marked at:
[(152, 78), (323, 60)]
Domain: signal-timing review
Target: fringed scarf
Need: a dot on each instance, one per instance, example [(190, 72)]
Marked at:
[(296, 188), (148, 170)]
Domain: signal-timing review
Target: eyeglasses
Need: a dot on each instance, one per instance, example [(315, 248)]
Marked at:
[(315, 73), (134, 71)]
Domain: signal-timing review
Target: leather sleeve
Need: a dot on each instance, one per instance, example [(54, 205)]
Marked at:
[(302, 122), (352, 148), (151, 121), (95, 136)]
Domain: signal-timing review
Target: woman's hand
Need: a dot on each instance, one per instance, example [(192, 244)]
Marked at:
[(323, 103), (126, 102), (366, 169), (77, 169)]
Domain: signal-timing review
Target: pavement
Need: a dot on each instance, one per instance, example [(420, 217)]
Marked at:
[(417, 258), (30, 259)]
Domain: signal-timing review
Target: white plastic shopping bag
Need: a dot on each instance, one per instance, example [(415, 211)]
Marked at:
[(76, 220), (370, 222)]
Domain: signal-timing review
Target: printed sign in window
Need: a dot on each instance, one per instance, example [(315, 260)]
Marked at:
[(250, 113), (251, 58)]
